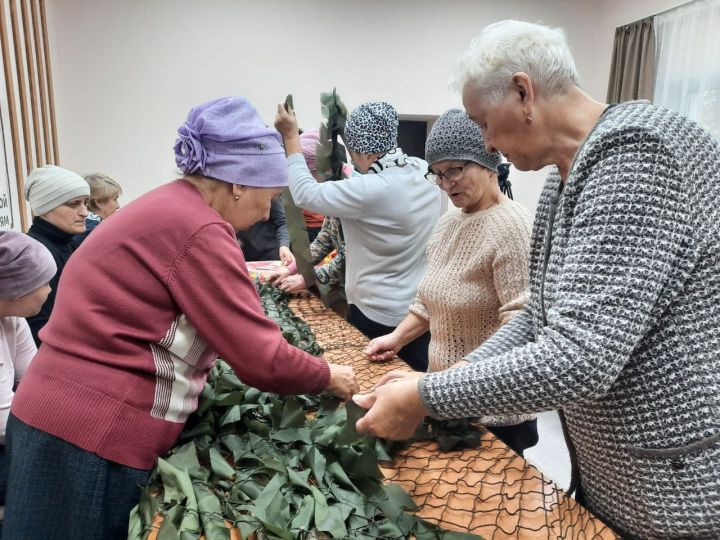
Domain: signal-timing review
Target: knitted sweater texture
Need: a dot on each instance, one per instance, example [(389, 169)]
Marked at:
[(476, 280), (630, 347)]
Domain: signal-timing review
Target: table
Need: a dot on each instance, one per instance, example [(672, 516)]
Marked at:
[(490, 491)]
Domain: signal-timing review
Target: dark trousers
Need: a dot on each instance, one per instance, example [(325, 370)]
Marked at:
[(3, 475), (415, 353), (58, 491), (519, 437)]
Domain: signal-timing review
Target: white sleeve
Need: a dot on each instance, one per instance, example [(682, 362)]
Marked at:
[(24, 348), (343, 199)]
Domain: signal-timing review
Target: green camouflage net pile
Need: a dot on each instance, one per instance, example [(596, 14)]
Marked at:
[(274, 467)]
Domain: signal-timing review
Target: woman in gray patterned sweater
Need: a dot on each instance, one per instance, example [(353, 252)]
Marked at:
[(622, 328)]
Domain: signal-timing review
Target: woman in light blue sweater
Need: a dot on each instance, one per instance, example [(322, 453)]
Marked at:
[(387, 213)]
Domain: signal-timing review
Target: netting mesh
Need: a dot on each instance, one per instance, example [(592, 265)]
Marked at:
[(489, 491)]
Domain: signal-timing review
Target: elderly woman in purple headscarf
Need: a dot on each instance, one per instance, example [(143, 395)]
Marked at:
[(146, 306)]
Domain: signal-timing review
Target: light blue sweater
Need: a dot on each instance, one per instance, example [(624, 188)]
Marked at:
[(387, 219)]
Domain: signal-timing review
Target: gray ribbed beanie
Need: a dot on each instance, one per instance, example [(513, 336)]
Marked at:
[(455, 137), (49, 186)]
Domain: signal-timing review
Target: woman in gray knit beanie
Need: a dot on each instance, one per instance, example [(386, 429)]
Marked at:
[(58, 198), (476, 275), (621, 329)]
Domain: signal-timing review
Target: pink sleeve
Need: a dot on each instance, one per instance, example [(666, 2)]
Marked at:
[(292, 267), (211, 286)]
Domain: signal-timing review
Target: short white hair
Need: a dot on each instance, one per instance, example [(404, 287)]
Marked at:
[(507, 47)]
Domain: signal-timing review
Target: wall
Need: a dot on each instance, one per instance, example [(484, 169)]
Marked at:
[(126, 73)]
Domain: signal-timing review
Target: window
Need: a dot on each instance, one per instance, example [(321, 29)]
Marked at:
[(688, 63)]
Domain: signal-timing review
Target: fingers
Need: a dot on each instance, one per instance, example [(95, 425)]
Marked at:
[(292, 284), (364, 400), (378, 350), (395, 410), (281, 112), (371, 348), (286, 256), (276, 277), (342, 382), (375, 353), (390, 377), (384, 356)]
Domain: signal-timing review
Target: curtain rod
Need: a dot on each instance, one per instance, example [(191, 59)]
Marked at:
[(668, 10)]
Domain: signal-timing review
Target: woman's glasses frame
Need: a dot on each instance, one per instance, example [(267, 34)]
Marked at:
[(452, 174)]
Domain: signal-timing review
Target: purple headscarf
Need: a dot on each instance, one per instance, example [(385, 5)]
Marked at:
[(25, 265), (227, 140)]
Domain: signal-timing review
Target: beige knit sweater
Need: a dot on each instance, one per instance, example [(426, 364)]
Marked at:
[(476, 278), (475, 281)]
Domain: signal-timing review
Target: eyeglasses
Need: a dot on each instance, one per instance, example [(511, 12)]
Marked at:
[(453, 174)]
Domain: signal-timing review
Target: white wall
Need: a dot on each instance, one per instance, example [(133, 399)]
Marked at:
[(126, 73)]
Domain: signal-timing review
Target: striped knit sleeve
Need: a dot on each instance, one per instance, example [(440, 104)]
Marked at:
[(626, 248), (211, 286), (516, 333)]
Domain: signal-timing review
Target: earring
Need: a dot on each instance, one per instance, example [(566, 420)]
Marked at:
[(529, 118), (236, 198)]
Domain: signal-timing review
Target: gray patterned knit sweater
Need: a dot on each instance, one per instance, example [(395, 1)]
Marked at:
[(631, 348)]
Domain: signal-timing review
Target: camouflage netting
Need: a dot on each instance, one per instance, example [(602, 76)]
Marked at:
[(489, 491)]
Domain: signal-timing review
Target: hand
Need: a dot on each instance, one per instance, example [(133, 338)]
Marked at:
[(286, 123), (395, 375), (274, 278), (342, 381), (286, 256), (395, 410), (383, 348), (293, 283)]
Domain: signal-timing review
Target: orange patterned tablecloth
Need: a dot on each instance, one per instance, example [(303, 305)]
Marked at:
[(489, 491)]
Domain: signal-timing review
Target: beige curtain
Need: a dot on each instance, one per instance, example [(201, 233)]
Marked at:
[(632, 74)]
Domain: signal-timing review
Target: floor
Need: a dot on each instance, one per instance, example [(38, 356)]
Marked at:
[(550, 455)]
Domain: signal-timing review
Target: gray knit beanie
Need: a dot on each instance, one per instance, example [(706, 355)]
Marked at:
[(49, 186), (455, 137), (372, 128)]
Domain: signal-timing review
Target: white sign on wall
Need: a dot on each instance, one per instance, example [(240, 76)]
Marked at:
[(9, 198), (6, 191)]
